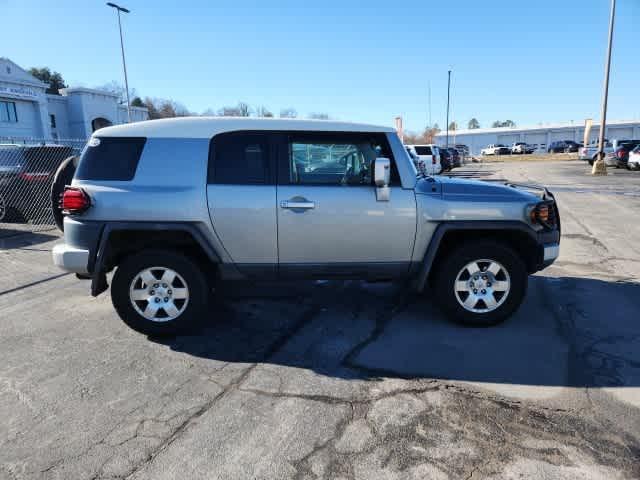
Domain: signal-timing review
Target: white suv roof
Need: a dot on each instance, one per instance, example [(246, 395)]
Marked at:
[(207, 127)]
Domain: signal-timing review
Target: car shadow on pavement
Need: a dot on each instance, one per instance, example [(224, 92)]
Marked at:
[(18, 238), (569, 332)]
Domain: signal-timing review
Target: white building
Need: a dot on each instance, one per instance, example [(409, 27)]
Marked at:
[(542, 136), (26, 111)]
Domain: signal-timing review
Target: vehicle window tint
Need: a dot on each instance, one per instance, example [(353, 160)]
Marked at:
[(331, 163), (10, 157), (239, 158), (423, 150), (110, 158)]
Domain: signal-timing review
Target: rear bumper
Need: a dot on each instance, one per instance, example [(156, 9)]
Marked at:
[(71, 259)]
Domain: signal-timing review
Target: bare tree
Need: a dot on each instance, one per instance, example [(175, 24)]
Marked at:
[(116, 87), (319, 116), (164, 108), (263, 111), (240, 110), (229, 112), (244, 109), (288, 113)]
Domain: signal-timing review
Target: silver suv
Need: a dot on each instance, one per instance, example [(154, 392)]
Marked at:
[(175, 205)]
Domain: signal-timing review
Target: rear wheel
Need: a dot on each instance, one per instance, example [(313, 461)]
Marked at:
[(481, 284), (159, 293)]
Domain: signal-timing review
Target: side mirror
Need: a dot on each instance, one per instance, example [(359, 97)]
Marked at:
[(382, 178)]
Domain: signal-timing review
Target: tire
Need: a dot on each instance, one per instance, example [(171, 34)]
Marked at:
[(512, 275), (63, 176), (9, 214), (190, 304)]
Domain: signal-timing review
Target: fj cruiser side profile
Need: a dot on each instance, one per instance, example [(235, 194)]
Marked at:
[(173, 205)]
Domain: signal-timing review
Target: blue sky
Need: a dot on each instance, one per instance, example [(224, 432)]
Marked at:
[(535, 61)]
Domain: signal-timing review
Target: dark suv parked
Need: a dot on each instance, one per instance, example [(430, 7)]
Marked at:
[(563, 146), (25, 178)]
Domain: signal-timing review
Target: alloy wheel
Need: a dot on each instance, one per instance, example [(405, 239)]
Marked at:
[(159, 294), (482, 286)]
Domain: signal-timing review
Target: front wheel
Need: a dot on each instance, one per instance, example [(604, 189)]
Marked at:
[(481, 284), (159, 292)]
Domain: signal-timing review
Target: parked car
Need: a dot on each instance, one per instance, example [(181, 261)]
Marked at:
[(173, 205), (445, 160), (25, 178), (419, 164), (563, 146), (463, 150), (621, 153), (590, 152), (495, 149), (521, 147), (430, 155), (455, 158), (634, 159)]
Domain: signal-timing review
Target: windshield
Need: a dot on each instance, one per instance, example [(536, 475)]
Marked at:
[(423, 150), (10, 157)]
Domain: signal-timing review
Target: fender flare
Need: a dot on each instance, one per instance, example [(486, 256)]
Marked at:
[(471, 225), (98, 277)]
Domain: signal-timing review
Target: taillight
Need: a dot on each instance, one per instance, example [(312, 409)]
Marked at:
[(34, 176), (433, 160), (74, 201), (620, 153)]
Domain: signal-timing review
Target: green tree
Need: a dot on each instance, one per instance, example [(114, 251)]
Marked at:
[(473, 124), (453, 126), (506, 123), (54, 79), (137, 102)]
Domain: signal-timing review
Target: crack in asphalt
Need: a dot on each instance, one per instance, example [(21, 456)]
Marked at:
[(277, 345)]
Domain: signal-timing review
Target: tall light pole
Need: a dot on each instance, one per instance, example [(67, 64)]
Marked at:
[(448, 91), (430, 124), (599, 167), (124, 64)]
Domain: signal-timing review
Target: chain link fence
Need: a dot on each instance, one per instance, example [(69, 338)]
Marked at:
[(27, 171)]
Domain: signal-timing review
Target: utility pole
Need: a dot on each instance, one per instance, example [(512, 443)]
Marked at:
[(124, 64), (599, 167), (448, 91), (430, 124)]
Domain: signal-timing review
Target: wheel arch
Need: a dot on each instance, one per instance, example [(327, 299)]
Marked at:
[(449, 235), (121, 239)]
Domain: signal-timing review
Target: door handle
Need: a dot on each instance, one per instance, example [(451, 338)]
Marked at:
[(297, 204)]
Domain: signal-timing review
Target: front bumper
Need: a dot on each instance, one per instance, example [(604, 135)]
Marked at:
[(71, 259), (551, 251)]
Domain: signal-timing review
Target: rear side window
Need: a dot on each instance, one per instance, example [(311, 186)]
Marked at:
[(239, 158), (110, 158), (423, 150)]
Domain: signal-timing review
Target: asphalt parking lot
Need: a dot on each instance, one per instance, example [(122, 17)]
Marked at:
[(338, 379)]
